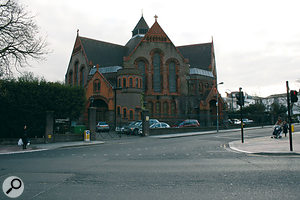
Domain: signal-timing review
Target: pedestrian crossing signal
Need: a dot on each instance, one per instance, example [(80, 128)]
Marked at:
[(240, 98), (294, 97)]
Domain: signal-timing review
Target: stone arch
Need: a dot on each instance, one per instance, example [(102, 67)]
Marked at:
[(101, 109)]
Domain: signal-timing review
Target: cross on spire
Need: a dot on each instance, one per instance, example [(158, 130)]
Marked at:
[(156, 17)]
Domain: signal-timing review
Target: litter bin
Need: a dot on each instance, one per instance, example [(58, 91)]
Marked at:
[(87, 135)]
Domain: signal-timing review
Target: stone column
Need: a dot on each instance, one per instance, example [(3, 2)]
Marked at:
[(49, 127), (92, 122)]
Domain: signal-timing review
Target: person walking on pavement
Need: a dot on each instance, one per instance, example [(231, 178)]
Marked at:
[(25, 137)]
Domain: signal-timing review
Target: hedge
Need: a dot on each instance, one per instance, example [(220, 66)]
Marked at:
[(26, 102)]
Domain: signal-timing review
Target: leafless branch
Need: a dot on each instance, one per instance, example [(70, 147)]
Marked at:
[(19, 37)]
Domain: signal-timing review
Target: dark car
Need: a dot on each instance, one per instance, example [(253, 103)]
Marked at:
[(127, 128), (132, 128), (102, 126), (189, 123)]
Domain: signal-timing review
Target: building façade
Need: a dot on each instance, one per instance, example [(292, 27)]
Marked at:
[(173, 82)]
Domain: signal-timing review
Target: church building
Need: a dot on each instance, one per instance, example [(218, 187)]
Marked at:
[(173, 82)]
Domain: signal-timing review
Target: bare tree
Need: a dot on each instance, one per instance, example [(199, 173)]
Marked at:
[(19, 39)]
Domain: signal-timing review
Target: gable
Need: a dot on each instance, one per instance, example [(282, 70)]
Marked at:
[(157, 39), (106, 91)]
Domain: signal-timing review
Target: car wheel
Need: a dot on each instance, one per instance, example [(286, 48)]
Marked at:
[(135, 132)]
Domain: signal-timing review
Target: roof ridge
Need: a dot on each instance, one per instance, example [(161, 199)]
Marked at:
[(102, 41), (199, 44)]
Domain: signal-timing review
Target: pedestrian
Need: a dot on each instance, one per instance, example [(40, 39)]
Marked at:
[(279, 122), (25, 137)]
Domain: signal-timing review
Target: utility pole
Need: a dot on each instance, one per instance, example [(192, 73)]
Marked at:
[(241, 99), (289, 114)]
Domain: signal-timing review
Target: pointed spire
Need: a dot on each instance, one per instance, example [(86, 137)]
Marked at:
[(141, 27), (77, 32)]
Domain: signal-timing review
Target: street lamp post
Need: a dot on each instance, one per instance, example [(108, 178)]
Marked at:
[(218, 105)]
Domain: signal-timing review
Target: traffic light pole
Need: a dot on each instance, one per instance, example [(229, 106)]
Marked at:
[(289, 115)]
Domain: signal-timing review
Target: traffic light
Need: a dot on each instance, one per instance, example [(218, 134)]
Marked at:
[(240, 98), (294, 97)]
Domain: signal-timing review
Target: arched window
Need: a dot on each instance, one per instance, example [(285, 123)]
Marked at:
[(70, 81), (172, 77), (200, 88), (166, 108), (76, 73), (206, 85), (142, 68), (157, 107), (119, 110), (131, 115), (141, 83), (150, 107), (124, 83), (82, 76), (156, 73), (130, 82), (119, 82), (97, 86), (137, 83), (124, 112), (173, 108)]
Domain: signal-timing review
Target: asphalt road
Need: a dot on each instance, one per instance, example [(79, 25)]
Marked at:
[(198, 167)]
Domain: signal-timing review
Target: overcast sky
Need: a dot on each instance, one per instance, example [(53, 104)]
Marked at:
[(257, 42)]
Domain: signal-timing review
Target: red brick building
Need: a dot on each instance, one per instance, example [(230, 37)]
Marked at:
[(174, 82)]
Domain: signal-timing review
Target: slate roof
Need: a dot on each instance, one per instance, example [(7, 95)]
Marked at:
[(105, 70), (141, 25), (133, 42), (199, 55), (103, 53), (202, 72)]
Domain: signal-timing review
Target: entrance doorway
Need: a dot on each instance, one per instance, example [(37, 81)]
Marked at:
[(101, 110)]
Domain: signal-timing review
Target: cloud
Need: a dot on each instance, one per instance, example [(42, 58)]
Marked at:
[(257, 43)]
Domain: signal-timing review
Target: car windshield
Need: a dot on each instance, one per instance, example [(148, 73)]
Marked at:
[(102, 123)]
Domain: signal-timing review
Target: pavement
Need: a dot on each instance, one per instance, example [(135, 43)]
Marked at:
[(260, 146), (268, 145), (13, 149)]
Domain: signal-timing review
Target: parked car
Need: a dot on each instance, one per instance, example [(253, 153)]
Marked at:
[(247, 121), (125, 129), (133, 128), (160, 125), (153, 121), (189, 123), (102, 126)]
